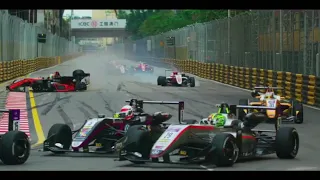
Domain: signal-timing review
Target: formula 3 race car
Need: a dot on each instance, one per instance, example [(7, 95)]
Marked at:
[(196, 143), (77, 82), (97, 135), (290, 110), (140, 68), (176, 79)]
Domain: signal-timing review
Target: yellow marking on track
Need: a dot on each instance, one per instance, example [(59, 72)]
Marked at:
[(36, 120)]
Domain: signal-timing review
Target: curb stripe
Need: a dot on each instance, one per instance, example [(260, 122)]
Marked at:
[(16, 100)]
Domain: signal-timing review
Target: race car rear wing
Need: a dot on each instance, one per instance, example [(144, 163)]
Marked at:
[(255, 107), (277, 122), (139, 103)]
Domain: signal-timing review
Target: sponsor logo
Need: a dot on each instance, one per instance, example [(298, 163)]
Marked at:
[(173, 129), (158, 147), (84, 132), (155, 151)]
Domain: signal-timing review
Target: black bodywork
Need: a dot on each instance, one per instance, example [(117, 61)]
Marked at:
[(219, 146)]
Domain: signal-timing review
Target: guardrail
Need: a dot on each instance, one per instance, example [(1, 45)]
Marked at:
[(303, 88), (17, 68)]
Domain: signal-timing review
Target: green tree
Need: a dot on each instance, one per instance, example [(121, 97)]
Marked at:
[(166, 20), (134, 20)]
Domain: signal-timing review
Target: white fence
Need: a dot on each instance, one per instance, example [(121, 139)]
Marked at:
[(18, 40)]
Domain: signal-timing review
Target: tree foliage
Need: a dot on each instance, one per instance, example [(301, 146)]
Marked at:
[(167, 20), (142, 23), (134, 20)]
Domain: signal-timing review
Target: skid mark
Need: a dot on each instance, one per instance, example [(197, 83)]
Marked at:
[(64, 116), (89, 107), (86, 113), (51, 105), (106, 103)]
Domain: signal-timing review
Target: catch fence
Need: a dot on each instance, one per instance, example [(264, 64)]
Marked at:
[(18, 40), (279, 40)]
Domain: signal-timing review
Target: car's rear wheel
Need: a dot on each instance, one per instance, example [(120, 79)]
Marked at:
[(162, 81), (297, 106), (14, 148), (192, 82), (287, 143), (78, 72)]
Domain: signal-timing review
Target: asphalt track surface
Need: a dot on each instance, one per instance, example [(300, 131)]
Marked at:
[(107, 93)]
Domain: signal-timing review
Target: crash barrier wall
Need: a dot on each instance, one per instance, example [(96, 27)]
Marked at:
[(17, 68), (303, 88)]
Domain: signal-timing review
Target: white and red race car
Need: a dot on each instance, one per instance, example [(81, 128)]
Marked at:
[(176, 79)]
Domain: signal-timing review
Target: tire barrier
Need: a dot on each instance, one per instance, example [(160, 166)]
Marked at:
[(18, 68), (303, 88)]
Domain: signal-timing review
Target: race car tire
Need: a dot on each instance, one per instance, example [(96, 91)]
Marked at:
[(60, 133), (192, 82), (162, 81), (242, 113), (218, 156), (15, 148), (78, 72), (297, 106), (138, 140), (287, 143)]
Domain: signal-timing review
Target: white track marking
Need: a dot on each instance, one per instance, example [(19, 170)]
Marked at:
[(303, 168)]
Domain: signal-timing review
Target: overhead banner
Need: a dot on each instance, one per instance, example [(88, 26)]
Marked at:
[(98, 24)]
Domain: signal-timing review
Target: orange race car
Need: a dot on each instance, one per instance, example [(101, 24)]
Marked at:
[(290, 111)]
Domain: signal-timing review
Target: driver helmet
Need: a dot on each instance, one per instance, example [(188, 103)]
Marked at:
[(175, 73), (269, 95), (51, 76), (56, 74), (127, 111), (220, 120)]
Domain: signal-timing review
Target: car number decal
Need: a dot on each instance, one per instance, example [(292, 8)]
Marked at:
[(169, 136), (271, 103)]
